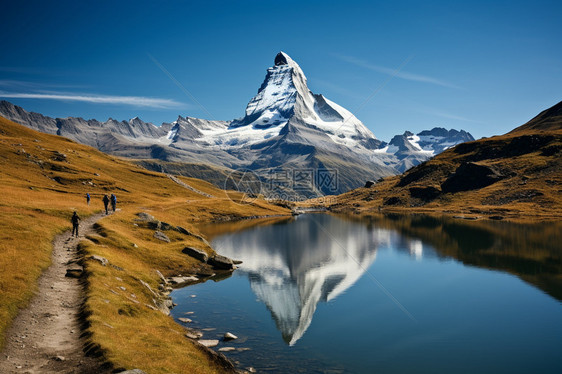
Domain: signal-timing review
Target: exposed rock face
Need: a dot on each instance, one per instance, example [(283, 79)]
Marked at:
[(209, 342), (471, 176), (280, 59), (221, 262), (229, 336), (182, 230), (165, 226), (193, 334), (196, 253), (182, 280), (101, 260), (161, 236), (145, 217)]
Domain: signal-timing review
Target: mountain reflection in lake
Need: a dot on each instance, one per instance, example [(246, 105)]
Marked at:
[(389, 294), (291, 268)]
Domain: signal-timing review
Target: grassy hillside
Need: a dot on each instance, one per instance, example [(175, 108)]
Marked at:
[(517, 176), (43, 179)]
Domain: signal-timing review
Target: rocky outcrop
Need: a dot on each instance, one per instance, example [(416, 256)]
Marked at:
[(161, 236), (102, 260), (209, 342), (180, 280), (221, 262), (193, 334), (196, 253), (471, 176), (425, 193), (143, 216)]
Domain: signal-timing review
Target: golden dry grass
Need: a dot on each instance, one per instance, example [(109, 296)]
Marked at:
[(40, 189), (531, 189)]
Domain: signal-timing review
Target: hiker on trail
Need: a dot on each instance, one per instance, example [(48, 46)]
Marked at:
[(88, 198), (105, 203), (113, 202), (75, 222)]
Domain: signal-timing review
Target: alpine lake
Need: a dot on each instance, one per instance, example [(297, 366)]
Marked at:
[(320, 293)]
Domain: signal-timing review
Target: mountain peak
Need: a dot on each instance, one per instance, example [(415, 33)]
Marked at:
[(283, 59)]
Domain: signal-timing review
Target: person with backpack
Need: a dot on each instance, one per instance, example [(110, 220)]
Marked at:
[(88, 198), (113, 202), (75, 223), (105, 203)]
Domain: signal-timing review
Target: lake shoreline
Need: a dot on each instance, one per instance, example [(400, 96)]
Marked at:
[(476, 213), (479, 249)]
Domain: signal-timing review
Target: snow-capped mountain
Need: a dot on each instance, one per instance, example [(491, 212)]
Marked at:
[(284, 95), (412, 149), (286, 130)]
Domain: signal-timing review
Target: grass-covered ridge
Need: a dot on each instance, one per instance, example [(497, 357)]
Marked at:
[(43, 178), (516, 176)]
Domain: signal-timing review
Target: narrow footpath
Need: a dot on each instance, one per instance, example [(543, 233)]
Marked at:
[(45, 337)]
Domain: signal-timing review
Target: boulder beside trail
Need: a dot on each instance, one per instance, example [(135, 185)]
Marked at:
[(101, 260)]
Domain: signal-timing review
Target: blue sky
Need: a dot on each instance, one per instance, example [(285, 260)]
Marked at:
[(485, 67)]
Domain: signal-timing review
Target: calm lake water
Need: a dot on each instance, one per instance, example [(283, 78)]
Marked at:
[(326, 294)]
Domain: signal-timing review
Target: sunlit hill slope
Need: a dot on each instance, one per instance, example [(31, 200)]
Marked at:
[(516, 175), (43, 179)]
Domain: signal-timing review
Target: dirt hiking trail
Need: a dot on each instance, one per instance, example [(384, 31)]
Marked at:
[(45, 337)]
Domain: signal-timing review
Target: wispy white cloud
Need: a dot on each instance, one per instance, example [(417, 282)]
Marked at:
[(139, 101), (400, 74), (13, 84)]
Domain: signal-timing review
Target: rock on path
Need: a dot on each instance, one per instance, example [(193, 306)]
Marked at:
[(45, 337)]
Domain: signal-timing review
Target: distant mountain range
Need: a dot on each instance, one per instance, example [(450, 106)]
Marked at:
[(297, 142)]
